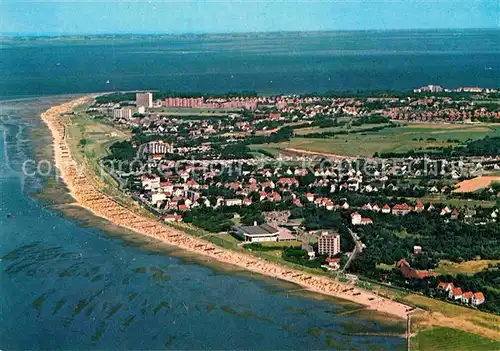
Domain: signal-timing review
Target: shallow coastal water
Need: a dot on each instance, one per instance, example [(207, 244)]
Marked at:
[(65, 283)]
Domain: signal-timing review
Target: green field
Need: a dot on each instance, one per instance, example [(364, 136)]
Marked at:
[(398, 139), (467, 267), (442, 339)]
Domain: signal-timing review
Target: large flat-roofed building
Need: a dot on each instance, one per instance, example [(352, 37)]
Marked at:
[(256, 233), (329, 243), (144, 99), (122, 113)]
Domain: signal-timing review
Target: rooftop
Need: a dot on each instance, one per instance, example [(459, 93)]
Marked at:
[(263, 229)]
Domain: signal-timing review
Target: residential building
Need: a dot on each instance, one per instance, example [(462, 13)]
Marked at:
[(401, 209), (477, 298), (234, 202), (122, 113), (467, 297), (173, 218), (455, 293), (333, 263), (409, 272), (144, 99), (445, 286), (329, 243), (355, 218)]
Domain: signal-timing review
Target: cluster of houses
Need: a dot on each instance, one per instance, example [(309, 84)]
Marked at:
[(403, 209), (452, 292), (176, 191), (439, 110), (455, 293)]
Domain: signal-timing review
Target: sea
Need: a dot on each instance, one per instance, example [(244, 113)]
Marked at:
[(70, 280), (267, 63)]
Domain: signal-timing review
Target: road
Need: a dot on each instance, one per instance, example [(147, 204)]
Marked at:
[(357, 249)]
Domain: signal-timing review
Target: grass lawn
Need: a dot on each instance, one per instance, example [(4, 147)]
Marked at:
[(282, 243), (387, 267), (441, 339), (224, 240), (467, 267), (310, 130), (227, 237), (399, 139)]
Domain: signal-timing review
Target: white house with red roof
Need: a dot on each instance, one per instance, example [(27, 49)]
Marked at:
[(269, 184), (288, 182), (355, 218), (443, 286), (173, 218), (419, 207), (401, 209), (467, 297), (329, 205), (365, 221), (455, 293), (333, 263), (233, 202), (477, 298), (367, 207)]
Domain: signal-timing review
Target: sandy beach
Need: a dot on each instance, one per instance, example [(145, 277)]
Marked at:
[(87, 195)]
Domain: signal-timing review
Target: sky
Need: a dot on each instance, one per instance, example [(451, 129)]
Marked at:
[(226, 16)]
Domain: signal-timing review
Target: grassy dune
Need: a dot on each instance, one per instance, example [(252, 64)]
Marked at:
[(442, 339)]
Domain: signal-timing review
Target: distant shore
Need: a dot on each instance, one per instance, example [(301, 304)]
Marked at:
[(85, 190)]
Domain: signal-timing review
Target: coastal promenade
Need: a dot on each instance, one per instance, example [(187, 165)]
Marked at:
[(87, 195)]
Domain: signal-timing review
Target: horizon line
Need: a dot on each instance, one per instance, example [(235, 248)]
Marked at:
[(55, 35)]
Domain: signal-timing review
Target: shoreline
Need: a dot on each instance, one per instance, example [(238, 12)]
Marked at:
[(87, 195)]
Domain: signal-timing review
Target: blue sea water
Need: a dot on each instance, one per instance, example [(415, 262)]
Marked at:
[(67, 285), (266, 63)]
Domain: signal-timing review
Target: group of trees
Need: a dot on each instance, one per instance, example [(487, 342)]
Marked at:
[(452, 240), (209, 219), (300, 256), (122, 150)]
